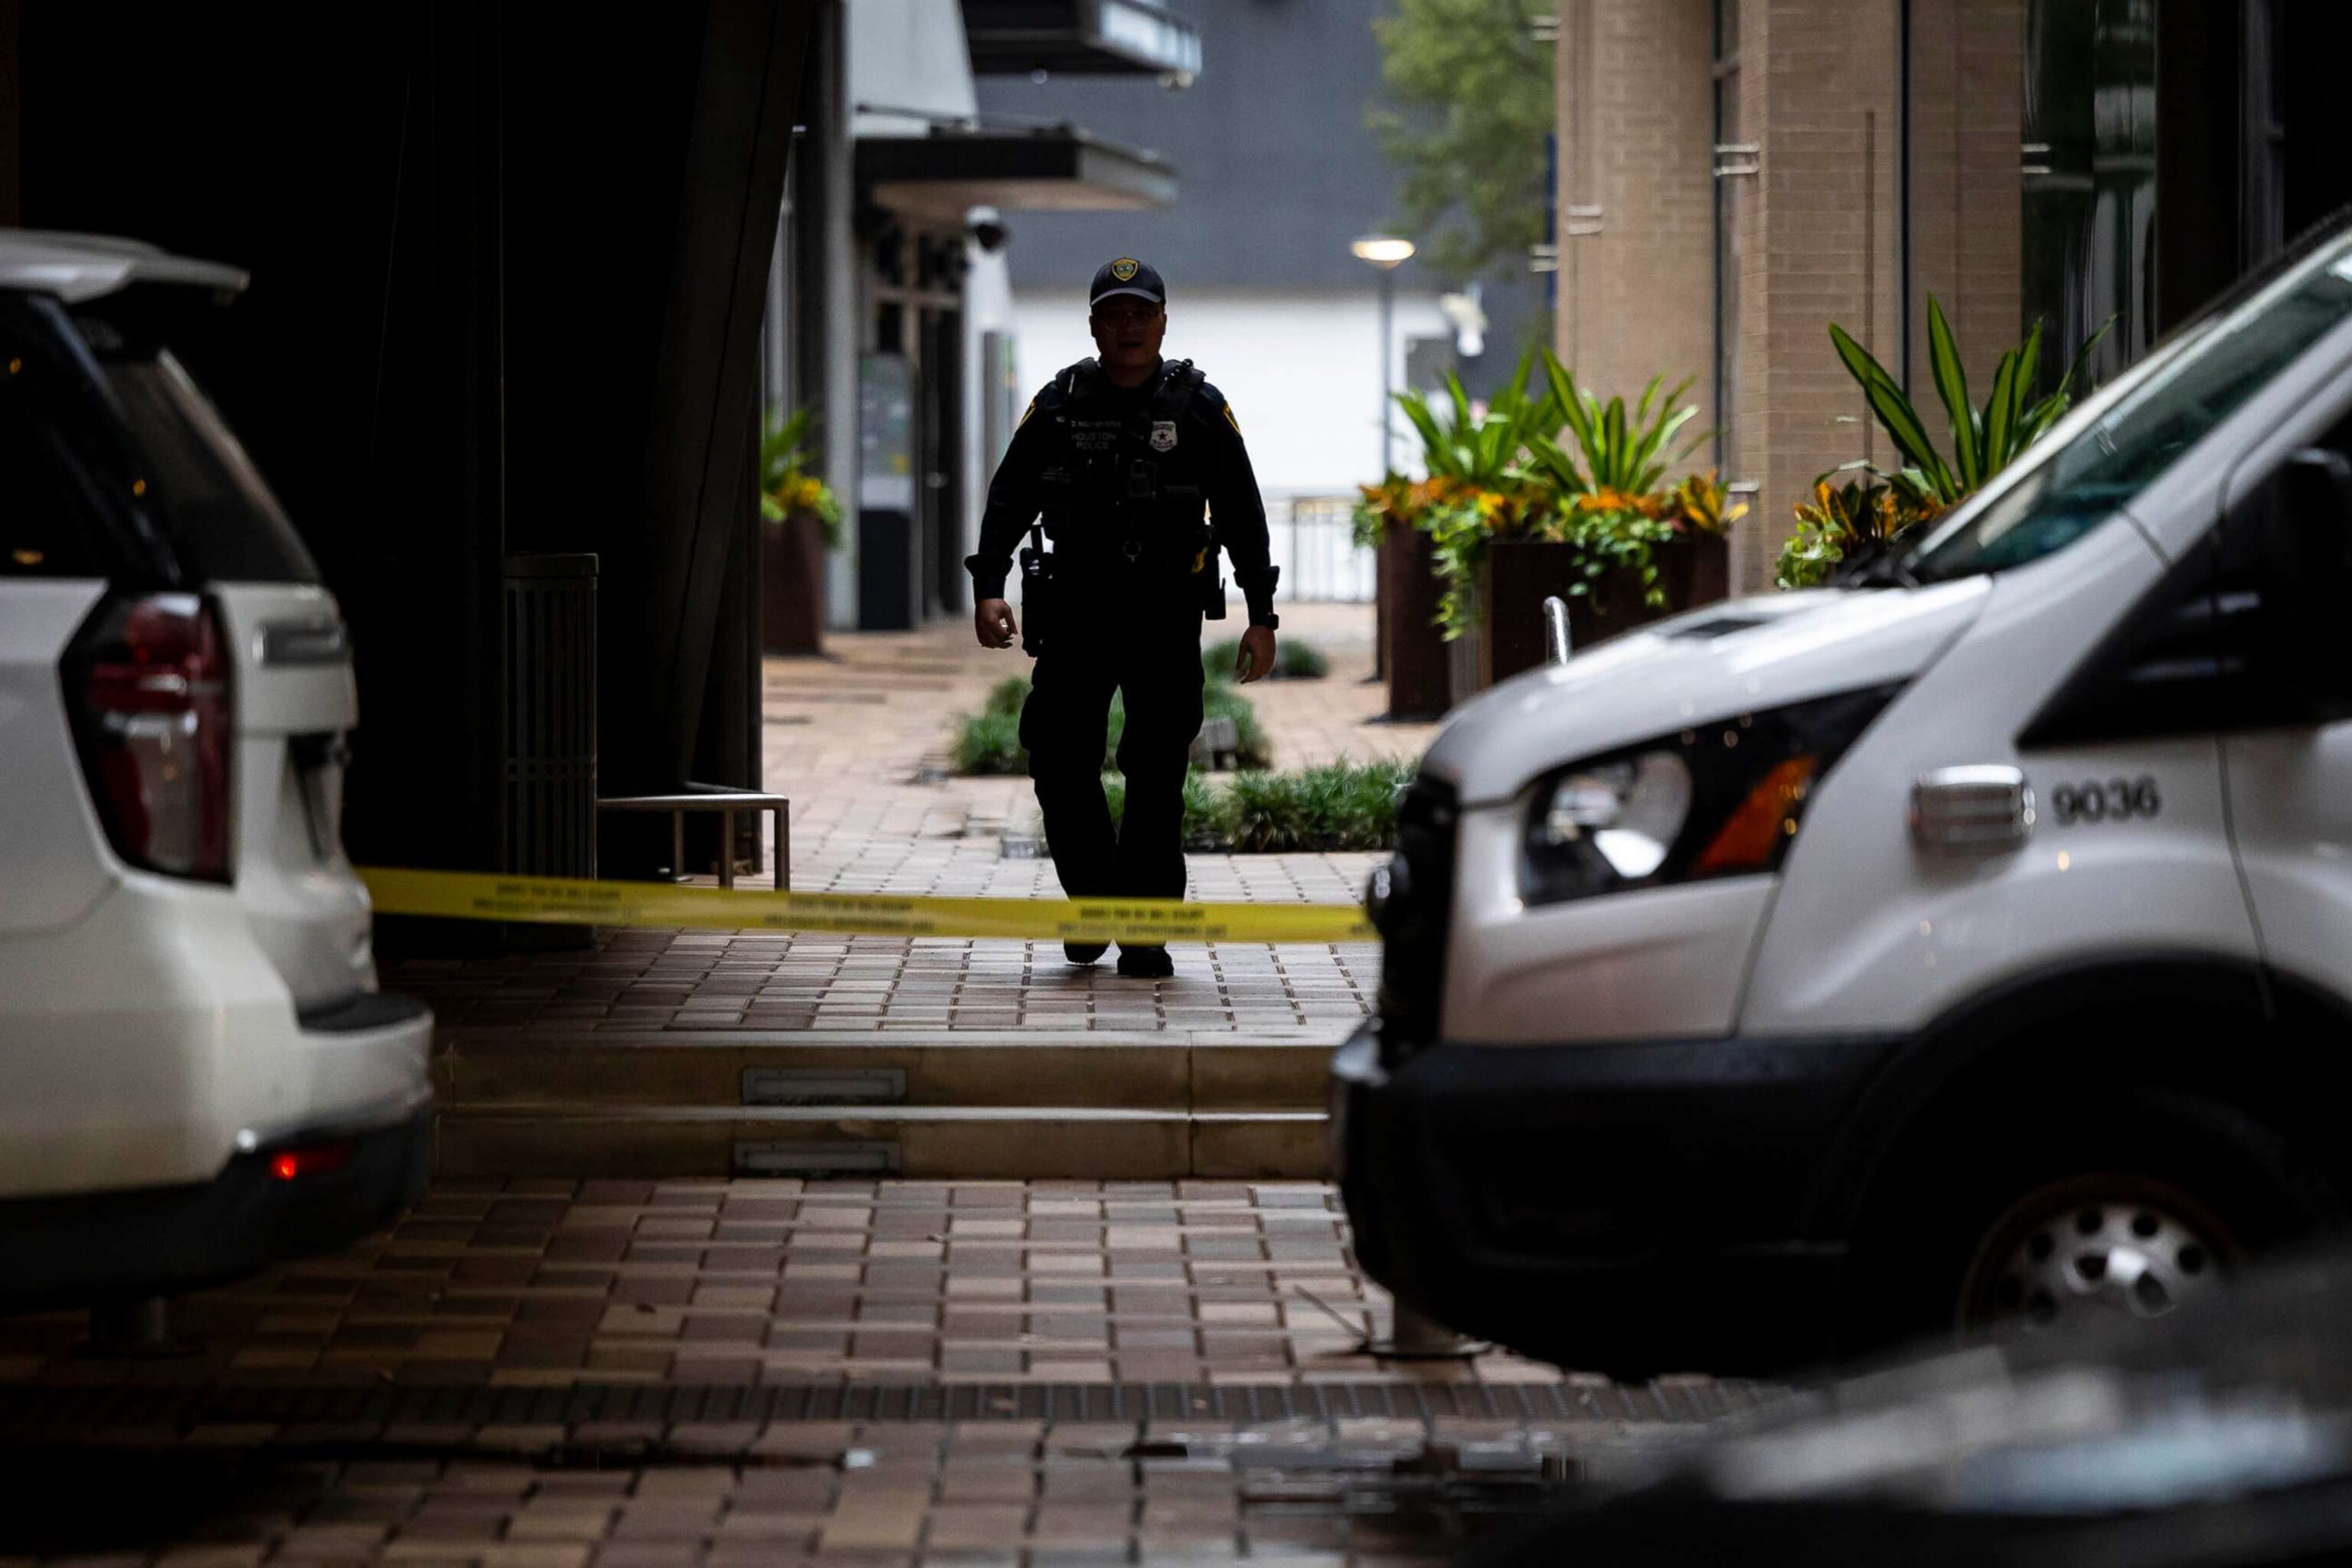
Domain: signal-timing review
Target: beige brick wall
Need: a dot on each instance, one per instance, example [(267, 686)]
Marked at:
[(1967, 197), (1820, 230), (1637, 299), (1818, 87)]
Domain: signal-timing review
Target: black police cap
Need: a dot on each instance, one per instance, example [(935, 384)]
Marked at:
[(1126, 275)]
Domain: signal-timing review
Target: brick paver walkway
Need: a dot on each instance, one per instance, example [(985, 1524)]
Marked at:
[(859, 740), (560, 1374), (571, 1374), (526, 1282)]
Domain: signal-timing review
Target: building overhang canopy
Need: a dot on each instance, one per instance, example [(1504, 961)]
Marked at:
[(1081, 37), (943, 175)]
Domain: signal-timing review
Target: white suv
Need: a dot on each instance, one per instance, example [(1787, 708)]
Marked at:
[(1967, 945), (197, 1073)]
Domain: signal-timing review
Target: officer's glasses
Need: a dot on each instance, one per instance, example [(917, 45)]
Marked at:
[(1125, 315)]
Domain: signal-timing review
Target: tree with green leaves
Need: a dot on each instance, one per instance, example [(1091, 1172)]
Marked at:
[(1472, 105)]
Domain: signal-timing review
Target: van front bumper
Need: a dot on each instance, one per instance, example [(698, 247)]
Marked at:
[(1632, 1208)]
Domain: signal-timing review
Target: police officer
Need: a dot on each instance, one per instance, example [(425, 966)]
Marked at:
[(1114, 462)]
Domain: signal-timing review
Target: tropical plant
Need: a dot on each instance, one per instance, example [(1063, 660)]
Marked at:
[(1698, 505), (786, 487), (1873, 511), (1484, 451), (1617, 454), (1843, 522), (1984, 440), (1568, 469)]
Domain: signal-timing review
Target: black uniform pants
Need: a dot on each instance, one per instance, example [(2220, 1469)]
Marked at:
[(1146, 645)]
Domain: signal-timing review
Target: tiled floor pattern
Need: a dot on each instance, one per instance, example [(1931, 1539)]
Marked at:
[(639, 980), (1349, 1495), (547, 1283), (858, 741)]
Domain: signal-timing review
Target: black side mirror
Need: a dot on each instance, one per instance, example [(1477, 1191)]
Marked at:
[(2307, 587)]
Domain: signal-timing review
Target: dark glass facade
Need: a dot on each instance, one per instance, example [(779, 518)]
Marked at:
[(2089, 174)]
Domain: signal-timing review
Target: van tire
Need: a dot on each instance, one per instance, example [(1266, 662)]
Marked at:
[(1945, 1215)]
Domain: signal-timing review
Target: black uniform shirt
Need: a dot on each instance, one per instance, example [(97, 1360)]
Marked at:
[(1234, 506)]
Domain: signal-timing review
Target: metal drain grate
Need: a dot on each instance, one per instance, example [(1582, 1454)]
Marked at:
[(34, 1413)]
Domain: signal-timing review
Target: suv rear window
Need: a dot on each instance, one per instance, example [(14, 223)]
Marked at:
[(223, 521), (52, 520)]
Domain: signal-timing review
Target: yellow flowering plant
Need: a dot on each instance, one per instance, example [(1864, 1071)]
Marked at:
[(787, 490)]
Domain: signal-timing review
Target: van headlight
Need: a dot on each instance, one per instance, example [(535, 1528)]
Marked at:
[(1716, 800)]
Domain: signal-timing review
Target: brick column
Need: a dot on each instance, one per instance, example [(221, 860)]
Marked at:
[(1636, 299), (1968, 96), (1818, 80)]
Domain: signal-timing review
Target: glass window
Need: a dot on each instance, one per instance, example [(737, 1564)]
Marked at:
[(52, 519), (221, 513), (2089, 179), (2116, 444)]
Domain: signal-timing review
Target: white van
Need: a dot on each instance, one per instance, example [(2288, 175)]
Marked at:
[(197, 1073), (1970, 945)]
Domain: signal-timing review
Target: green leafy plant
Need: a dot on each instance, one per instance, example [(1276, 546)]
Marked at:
[(1561, 467), (1485, 450), (1338, 805), (1334, 806), (1700, 505), (989, 742), (787, 488), (1618, 453), (1867, 514), (1984, 440), (1007, 695), (1205, 810), (1294, 659)]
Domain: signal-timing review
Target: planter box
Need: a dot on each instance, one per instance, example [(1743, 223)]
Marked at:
[(791, 585), (1519, 574), (1413, 652)]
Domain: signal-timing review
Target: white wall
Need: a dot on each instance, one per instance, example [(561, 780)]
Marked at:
[(1302, 371), (987, 308)]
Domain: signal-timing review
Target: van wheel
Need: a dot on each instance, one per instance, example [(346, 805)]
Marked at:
[(2127, 1205)]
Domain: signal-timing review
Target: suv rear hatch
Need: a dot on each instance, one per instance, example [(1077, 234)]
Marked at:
[(204, 540)]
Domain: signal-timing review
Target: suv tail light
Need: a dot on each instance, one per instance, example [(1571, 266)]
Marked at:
[(148, 683)]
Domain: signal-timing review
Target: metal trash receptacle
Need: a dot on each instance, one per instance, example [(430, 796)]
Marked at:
[(550, 773)]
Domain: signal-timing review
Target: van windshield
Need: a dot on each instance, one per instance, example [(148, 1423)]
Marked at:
[(2142, 425)]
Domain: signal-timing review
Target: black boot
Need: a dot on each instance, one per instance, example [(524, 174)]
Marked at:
[(1150, 963), (1083, 953)]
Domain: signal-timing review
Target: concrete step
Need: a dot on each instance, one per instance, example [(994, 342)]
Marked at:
[(1166, 1070), (604, 1138)]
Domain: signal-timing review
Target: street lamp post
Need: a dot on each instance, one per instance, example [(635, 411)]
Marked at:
[(1387, 253)]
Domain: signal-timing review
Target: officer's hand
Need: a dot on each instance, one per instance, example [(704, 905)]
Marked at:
[(1256, 661), (992, 619)]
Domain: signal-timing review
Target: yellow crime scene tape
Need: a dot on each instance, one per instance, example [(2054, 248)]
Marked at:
[(463, 895)]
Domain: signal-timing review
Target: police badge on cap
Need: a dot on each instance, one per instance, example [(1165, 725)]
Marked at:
[(1126, 275)]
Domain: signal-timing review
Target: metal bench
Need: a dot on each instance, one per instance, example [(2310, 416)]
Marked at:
[(726, 803)]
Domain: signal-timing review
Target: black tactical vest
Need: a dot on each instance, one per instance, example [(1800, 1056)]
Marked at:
[(1123, 486)]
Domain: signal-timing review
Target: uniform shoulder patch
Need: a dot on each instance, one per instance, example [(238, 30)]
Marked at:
[(1230, 420), (1025, 414)]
